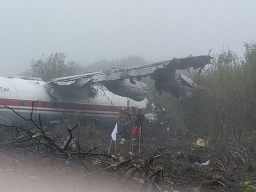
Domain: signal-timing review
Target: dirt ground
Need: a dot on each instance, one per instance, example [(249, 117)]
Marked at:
[(180, 161)]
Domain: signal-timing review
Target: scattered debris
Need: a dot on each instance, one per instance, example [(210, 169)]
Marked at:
[(201, 164), (165, 164)]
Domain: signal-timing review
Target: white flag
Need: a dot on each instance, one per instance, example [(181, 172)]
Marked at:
[(114, 132)]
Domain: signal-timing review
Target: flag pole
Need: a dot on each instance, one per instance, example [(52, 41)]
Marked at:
[(139, 134), (113, 135), (139, 145), (132, 136), (132, 142), (110, 146), (115, 146)]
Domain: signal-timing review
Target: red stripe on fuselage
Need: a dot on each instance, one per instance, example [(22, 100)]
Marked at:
[(58, 105)]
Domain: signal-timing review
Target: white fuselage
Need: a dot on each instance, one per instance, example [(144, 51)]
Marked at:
[(19, 94)]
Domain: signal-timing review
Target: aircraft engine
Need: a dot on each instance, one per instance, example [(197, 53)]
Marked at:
[(131, 88), (177, 84)]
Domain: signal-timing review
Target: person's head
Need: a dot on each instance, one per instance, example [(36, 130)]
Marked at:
[(139, 110), (123, 110)]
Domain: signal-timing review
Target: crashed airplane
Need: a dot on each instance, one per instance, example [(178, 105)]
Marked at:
[(98, 95)]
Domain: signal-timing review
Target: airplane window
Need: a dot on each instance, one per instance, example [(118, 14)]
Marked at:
[(132, 80), (21, 103), (44, 104)]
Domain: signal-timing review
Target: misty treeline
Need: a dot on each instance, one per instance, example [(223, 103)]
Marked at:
[(226, 109), (56, 65)]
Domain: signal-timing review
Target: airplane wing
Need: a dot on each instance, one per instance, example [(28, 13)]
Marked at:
[(126, 81), (135, 71)]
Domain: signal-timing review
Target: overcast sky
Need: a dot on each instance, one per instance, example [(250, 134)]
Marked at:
[(89, 31)]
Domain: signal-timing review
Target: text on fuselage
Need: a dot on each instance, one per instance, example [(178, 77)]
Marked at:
[(4, 89)]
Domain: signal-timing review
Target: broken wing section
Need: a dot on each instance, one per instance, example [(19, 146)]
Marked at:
[(169, 79), (126, 81), (179, 85), (115, 81), (131, 88)]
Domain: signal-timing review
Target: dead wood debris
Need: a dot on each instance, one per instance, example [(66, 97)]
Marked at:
[(38, 141), (172, 164)]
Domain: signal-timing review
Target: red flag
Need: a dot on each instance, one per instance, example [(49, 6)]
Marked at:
[(134, 130)]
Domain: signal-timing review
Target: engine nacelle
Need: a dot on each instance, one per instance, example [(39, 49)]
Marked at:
[(131, 88)]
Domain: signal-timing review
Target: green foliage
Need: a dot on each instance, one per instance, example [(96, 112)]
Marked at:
[(226, 108), (229, 100), (250, 53), (226, 59), (53, 66), (248, 186)]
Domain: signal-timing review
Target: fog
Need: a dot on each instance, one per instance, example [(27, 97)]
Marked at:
[(88, 31)]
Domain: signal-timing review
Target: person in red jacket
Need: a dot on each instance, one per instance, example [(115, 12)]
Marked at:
[(137, 128)]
